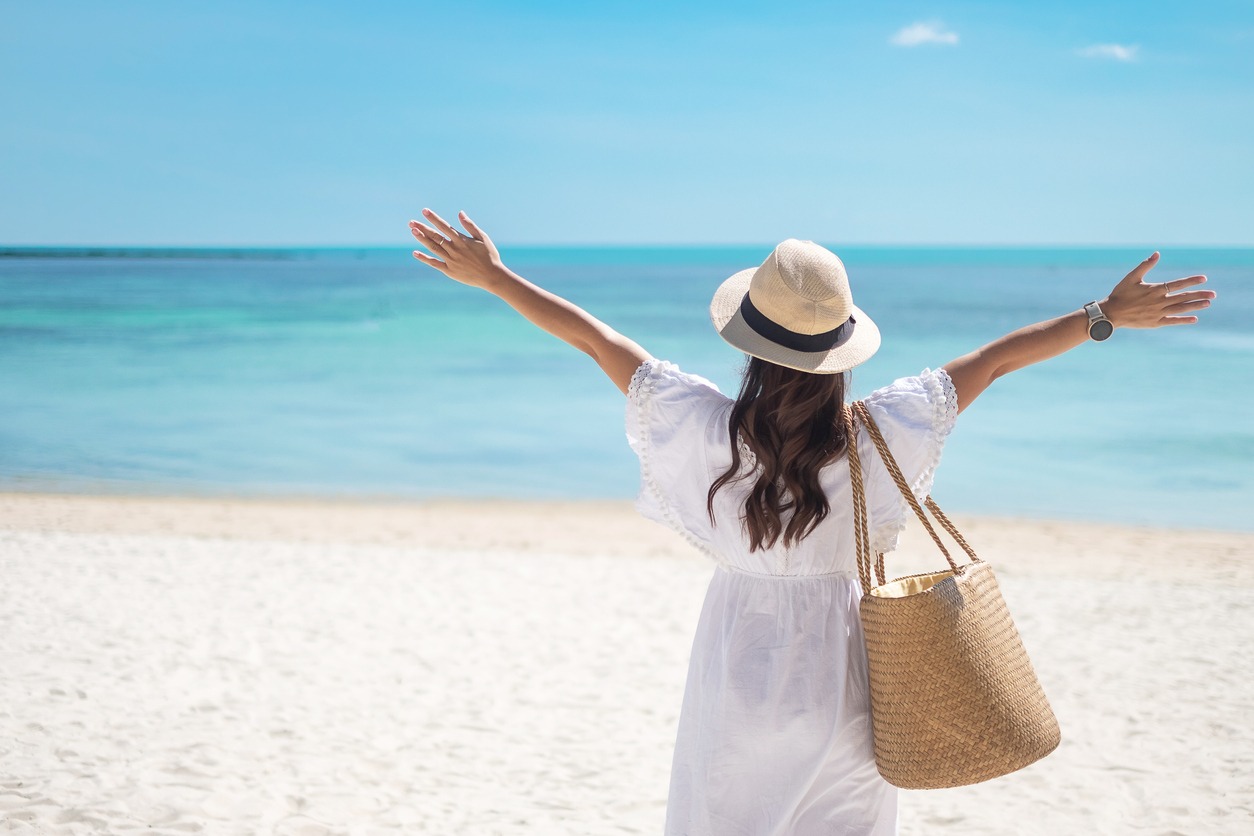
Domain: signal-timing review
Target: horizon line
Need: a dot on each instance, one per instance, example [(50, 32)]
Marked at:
[(7, 249)]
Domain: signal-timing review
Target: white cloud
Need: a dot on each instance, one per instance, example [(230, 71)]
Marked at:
[(1118, 52), (924, 33)]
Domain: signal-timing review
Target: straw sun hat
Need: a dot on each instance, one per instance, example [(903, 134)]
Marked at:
[(795, 310)]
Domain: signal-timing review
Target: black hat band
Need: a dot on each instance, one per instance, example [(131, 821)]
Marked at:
[(780, 335)]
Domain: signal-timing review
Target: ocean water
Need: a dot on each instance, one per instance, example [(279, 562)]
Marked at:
[(363, 373)]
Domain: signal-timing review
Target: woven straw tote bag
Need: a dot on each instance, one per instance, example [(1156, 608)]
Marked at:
[(954, 698)]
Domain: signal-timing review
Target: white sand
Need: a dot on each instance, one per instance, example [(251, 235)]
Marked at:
[(197, 666)]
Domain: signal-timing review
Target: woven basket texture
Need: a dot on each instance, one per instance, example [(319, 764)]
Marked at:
[(954, 697)]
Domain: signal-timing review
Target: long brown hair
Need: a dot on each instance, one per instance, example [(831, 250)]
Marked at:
[(792, 424)]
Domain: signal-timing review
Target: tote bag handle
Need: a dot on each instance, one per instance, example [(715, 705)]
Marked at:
[(857, 413)]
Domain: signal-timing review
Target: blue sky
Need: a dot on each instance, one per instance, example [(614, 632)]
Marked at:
[(274, 123)]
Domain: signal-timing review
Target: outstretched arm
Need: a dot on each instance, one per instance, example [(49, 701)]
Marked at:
[(1134, 303), (473, 259)]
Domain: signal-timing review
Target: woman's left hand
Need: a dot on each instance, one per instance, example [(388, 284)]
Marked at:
[(470, 259), (1136, 303)]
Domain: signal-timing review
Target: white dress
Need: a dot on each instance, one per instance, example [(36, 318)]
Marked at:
[(774, 734)]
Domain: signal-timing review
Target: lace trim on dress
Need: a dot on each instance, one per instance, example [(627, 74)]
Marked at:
[(640, 391), (943, 398), (950, 393), (637, 378)]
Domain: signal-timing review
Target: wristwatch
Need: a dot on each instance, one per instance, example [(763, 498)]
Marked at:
[(1100, 328)]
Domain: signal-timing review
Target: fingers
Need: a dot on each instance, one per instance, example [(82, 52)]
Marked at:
[(1143, 304), (423, 232), (440, 223), (1185, 307), (431, 261), (1190, 296), (1179, 301), (472, 227), (429, 238), (1180, 284), (1138, 272), (1176, 303)]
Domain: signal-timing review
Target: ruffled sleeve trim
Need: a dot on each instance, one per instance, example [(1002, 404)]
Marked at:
[(652, 501), (943, 399), (638, 378)]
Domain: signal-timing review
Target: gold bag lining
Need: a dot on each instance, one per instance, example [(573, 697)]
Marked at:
[(912, 585)]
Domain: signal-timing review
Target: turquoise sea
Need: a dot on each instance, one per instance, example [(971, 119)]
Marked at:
[(362, 373)]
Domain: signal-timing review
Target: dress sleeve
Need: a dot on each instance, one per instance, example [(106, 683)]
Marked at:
[(915, 416), (668, 426)]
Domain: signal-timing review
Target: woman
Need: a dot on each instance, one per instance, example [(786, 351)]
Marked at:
[(774, 733)]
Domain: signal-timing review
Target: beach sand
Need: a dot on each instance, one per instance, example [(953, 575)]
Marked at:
[(175, 666)]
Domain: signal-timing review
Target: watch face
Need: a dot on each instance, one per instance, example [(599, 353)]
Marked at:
[(1101, 329)]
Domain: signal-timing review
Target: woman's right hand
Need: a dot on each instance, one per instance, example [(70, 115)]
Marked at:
[(470, 259), (1136, 303)]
